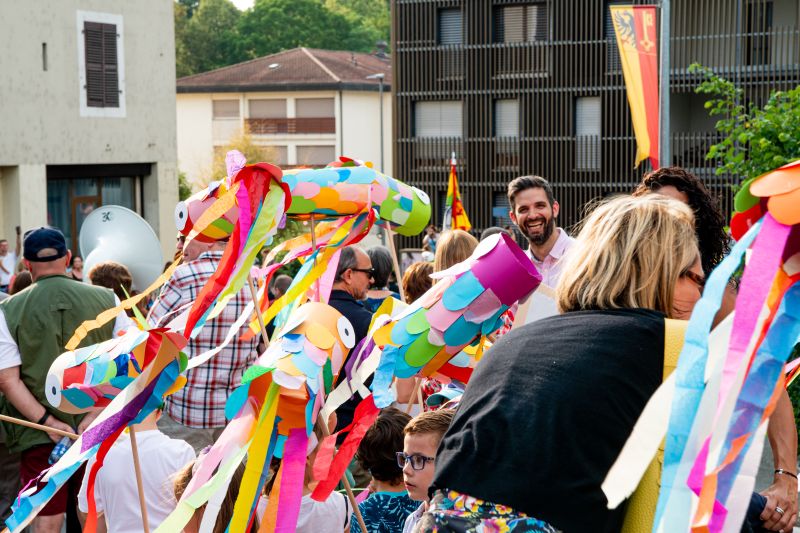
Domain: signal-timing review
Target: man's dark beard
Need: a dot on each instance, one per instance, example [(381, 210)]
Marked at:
[(547, 231)]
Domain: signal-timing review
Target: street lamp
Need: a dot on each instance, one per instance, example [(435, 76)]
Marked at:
[(380, 76)]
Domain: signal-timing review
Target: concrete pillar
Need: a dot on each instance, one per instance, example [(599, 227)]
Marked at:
[(23, 197), (160, 192)]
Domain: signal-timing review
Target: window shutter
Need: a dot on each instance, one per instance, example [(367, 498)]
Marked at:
[(587, 133), (537, 29), (274, 108), (450, 28), (110, 74), (314, 108), (438, 119), (225, 109), (506, 118), (315, 155), (513, 24), (102, 76)]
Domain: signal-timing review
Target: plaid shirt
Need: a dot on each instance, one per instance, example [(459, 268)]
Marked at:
[(201, 403)]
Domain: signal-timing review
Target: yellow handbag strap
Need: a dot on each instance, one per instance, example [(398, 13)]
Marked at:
[(641, 509)]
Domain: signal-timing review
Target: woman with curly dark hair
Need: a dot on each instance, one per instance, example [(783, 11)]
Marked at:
[(682, 185)]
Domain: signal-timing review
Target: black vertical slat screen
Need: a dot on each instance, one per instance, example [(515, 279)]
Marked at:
[(102, 76), (569, 53)]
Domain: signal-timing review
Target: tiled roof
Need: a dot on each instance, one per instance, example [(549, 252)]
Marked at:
[(297, 69)]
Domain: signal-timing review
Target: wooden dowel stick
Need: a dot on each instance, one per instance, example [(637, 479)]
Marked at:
[(254, 295), (314, 249), (414, 396), (323, 426), (393, 251), (139, 485), (46, 429)]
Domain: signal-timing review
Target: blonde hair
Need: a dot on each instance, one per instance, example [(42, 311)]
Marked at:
[(629, 254), (453, 247)]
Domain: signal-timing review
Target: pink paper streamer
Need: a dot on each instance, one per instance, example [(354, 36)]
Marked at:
[(294, 467)]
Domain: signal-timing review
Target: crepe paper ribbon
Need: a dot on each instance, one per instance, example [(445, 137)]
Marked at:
[(465, 304), (131, 406), (340, 191), (755, 403), (675, 498), (365, 414), (90, 526), (262, 197), (346, 232), (758, 276), (294, 466)]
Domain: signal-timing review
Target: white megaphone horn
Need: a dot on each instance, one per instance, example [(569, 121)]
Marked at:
[(115, 233)]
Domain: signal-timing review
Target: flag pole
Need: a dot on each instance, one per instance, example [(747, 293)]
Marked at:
[(665, 145)]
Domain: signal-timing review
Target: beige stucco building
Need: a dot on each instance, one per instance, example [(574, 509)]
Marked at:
[(87, 113), (309, 106)]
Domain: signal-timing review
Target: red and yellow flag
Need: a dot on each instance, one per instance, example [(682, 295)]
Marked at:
[(635, 27), (454, 215)]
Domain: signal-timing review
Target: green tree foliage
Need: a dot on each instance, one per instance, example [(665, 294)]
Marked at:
[(213, 33), (208, 38), (757, 140), (275, 25), (184, 187)]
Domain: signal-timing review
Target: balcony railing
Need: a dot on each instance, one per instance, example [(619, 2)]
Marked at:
[(272, 126)]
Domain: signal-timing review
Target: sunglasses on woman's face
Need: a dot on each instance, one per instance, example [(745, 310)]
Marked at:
[(699, 280), (417, 461)]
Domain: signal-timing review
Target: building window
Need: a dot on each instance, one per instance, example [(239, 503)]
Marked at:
[(587, 133), (450, 27), (314, 108), (278, 155), (273, 108), (101, 65), (519, 24), (315, 156), (758, 24), (438, 119), (225, 109)]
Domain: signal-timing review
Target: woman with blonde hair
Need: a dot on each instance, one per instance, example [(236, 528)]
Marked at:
[(454, 246), (550, 406)]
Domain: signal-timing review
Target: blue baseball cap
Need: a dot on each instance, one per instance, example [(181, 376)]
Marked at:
[(44, 244)]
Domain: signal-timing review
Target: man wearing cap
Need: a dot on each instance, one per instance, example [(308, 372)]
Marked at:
[(196, 413), (35, 324)]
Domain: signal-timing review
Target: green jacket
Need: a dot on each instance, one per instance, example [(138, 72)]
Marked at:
[(41, 319)]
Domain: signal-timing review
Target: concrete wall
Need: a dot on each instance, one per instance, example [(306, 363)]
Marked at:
[(357, 127), (40, 105), (361, 123)]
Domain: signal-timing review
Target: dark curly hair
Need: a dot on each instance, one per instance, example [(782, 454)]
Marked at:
[(378, 449), (712, 239)]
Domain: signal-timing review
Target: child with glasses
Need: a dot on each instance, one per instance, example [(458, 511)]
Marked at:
[(386, 509), (422, 437)]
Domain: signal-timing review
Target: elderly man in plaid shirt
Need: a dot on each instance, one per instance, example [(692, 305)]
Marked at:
[(196, 413)]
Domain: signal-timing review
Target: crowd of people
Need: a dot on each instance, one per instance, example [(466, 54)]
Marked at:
[(524, 446)]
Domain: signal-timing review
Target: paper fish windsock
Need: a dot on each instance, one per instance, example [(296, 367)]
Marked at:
[(464, 304), (777, 191), (189, 211), (727, 381), (91, 377), (348, 190), (272, 413), (144, 394)]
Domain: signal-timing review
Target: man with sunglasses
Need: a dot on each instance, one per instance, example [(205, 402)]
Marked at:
[(350, 285)]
